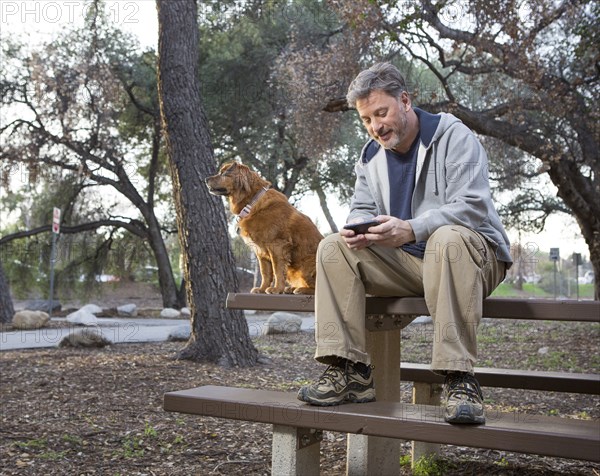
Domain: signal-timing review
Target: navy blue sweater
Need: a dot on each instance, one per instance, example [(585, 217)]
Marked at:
[(402, 169)]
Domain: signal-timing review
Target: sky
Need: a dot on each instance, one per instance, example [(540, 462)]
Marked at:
[(41, 19)]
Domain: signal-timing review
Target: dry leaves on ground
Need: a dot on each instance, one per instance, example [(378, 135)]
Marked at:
[(99, 412)]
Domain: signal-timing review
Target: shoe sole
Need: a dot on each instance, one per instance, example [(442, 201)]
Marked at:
[(365, 397)]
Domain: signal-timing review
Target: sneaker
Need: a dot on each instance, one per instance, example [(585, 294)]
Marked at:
[(463, 399), (340, 385)]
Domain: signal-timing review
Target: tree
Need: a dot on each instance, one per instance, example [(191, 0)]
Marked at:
[(86, 105), (6, 305), (264, 108), (524, 73), (218, 335)]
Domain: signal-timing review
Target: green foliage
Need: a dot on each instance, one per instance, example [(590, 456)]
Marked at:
[(54, 455), (553, 360), (150, 431), (73, 439), (429, 466), (508, 290), (93, 150), (426, 466), (132, 448), (252, 106), (37, 443)]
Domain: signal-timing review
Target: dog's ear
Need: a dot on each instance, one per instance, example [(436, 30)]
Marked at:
[(244, 178), (227, 166)]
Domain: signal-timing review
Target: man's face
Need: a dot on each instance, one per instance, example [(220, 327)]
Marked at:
[(386, 119)]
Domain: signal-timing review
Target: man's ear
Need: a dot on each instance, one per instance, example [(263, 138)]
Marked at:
[(405, 100)]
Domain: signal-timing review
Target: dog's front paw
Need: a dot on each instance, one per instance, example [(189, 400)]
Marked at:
[(304, 290), (257, 291), (289, 290), (273, 290)]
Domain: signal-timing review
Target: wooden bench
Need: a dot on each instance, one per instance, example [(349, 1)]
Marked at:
[(373, 429), (509, 378), (298, 427), (427, 388)]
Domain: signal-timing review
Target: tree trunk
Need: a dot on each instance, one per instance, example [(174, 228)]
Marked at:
[(168, 287), (166, 281), (6, 305), (566, 176), (218, 335), (325, 208)]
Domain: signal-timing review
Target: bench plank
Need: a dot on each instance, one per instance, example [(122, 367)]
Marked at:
[(551, 436), (509, 378), (536, 309)]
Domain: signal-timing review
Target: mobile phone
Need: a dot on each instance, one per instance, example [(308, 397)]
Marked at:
[(361, 228)]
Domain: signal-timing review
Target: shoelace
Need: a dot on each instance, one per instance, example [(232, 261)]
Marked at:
[(464, 385), (331, 373)]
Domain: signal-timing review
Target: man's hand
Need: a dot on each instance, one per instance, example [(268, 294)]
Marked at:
[(354, 241), (392, 232)]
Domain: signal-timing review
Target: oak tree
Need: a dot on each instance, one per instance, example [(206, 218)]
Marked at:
[(218, 335)]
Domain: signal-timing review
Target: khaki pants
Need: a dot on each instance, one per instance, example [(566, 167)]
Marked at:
[(458, 271)]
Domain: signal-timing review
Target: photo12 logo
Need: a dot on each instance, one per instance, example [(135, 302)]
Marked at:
[(42, 11), (456, 12)]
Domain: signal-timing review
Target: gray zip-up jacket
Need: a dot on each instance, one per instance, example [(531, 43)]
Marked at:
[(451, 184)]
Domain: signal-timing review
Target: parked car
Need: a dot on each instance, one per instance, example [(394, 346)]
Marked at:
[(587, 278), (532, 278)]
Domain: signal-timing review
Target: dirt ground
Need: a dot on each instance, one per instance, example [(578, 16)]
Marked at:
[(99, 412)]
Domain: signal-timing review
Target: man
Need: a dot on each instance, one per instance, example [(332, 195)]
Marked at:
[(423, 177)]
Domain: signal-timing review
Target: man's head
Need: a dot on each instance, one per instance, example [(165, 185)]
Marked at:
[(381, 76), (380, 97)]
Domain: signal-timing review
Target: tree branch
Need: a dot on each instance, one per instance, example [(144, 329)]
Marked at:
[(134, 226)]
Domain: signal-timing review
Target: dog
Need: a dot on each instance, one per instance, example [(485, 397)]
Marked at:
[(284, 240)]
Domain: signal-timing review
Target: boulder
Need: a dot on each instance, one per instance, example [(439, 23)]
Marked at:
[(30, 319), (127, 310), (91, 337), (282, 323), (186, 312), (92, 309), (169, 313), (180, 333), (83, 318)]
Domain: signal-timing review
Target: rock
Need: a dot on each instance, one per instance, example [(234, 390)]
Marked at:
[(180, 333), (186, 312), (85, 338), (282, 323), (127, 310), (43, 305), (91, 308), (30, 319), (83, 318), (543, 350), (169, 313), (264, 360)]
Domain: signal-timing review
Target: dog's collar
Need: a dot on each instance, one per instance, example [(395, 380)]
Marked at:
[(248, 208)]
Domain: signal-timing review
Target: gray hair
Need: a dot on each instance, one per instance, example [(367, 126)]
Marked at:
[(380, 76)]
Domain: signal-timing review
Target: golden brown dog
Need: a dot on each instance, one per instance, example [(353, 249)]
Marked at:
[(284, 240)]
